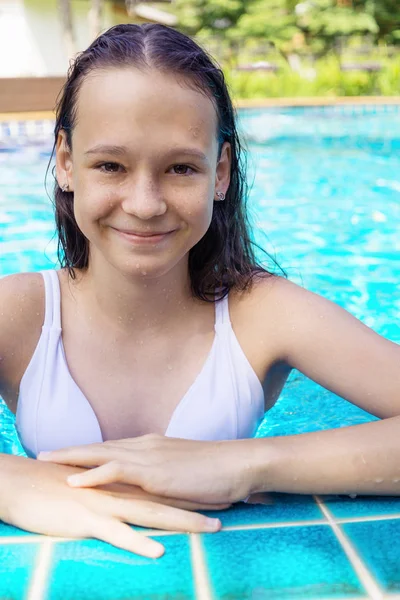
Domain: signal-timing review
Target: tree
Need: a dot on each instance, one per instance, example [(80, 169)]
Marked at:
[(386, 14), (324, 21), (202, 17)]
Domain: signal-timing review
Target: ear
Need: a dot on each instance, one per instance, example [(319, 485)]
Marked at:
[(223, 172), (64, 165)]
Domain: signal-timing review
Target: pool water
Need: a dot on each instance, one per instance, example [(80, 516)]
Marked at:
[(325, 201)]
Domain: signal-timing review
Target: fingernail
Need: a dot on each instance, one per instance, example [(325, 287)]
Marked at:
[(213, 524), (43, 455), (74, 480), (157, 551)]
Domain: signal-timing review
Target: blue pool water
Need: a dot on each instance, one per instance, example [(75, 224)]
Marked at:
[(325, 200)]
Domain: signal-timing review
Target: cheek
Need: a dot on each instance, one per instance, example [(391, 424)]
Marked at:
[(90, 208), (198, 213)]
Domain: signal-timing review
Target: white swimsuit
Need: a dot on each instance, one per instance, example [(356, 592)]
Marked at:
[(225, 402)]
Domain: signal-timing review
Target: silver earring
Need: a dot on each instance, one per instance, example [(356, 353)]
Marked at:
[(221, 196), (65, 187)]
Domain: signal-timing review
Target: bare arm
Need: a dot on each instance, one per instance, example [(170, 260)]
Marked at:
[(333, 348), (21, 319)]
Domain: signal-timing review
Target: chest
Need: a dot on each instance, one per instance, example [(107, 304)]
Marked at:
[(135, 388)]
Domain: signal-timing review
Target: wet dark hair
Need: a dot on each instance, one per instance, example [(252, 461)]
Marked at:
[(224, 258)]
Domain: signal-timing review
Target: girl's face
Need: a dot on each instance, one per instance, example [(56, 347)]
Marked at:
[(140, 198)]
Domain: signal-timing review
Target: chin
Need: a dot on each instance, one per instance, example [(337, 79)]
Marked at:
[(145, 269)]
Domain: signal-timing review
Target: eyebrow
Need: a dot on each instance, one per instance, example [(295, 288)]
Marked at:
[(123, 150)]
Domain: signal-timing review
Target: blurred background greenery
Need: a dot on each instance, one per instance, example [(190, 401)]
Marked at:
[(267, 48)]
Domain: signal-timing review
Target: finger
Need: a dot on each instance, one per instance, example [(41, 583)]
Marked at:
[(111, 472), (133, 492), (139, 494), (118, 534), (159, 516), (187, 505), (90, 455)]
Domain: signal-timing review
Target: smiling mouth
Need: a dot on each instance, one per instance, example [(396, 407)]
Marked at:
[(143, 236)]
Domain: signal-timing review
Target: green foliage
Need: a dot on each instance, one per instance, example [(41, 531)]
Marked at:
[(285, 22), (329, 80), (289, 33)]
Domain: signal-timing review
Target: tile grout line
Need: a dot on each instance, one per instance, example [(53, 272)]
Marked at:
[(39, 580), (200, 571), (275, 524), (371, 586), (386, 517), (37, 538)]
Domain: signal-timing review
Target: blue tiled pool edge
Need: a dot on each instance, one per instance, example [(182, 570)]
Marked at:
[(295, 547)]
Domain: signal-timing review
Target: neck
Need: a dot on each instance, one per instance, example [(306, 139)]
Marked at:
[(133, 303)]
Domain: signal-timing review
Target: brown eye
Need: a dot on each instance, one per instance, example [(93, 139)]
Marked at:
[(109, 167), (184, 167)]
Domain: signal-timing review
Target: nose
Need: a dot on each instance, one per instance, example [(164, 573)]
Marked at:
[(143, 200)]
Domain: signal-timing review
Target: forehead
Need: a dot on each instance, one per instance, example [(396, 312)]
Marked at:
[(127, 105)]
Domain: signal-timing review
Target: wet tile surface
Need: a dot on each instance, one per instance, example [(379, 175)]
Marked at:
[(97, 571), (8, 530), (265, 556), (290, 562), (378, 545), (17, 563), (275, 508), (362, 506)]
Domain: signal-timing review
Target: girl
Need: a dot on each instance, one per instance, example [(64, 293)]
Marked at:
[(145, 354)]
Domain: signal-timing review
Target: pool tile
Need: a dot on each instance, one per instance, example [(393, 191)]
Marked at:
[(362, 506), (277, 508), (279, 563), (378, 545), (17, 562), (95, 570), (7, 530)]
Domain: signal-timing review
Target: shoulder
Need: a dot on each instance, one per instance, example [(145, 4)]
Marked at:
[(262, 299), (21, 319), (274, 311)]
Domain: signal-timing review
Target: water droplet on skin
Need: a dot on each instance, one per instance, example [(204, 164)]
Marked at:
[(378, 480), (144, 272), (353, 496), (170, 368), (396, 480)]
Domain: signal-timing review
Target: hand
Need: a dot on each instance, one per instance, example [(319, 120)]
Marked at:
[(37, 498), (211, 472)]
